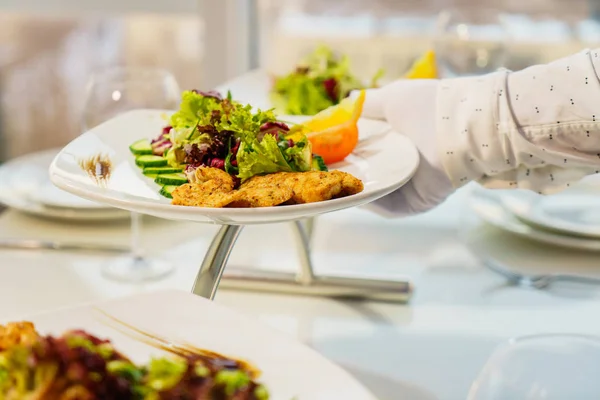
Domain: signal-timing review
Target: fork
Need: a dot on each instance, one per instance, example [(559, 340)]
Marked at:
[(35, 244), (535, 281)]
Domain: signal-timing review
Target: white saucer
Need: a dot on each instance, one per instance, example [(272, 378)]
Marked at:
[(489, 206), (25, 186), (573, 212), (51, 196)]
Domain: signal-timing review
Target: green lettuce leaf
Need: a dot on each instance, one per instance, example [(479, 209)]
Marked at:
[(302, 92), (300, 155), (245, 123), (259, 158), (299, 94)]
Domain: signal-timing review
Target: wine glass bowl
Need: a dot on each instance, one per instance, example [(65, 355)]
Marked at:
[(110, 93), (121, 89), (470, 42), (541, 367)]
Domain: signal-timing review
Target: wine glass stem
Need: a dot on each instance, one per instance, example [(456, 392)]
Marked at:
[(136, 227)]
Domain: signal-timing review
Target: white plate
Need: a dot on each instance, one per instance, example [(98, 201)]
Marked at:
[(489, 206), (384, 162), (573, 212), (51, 196), (289, 369), (25, 186)]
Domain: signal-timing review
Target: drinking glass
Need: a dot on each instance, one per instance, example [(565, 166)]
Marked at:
[(112, 92), (541, 367), (470, 42)]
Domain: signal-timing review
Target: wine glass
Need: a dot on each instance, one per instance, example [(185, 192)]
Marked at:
[(470, 42), (112, 92), (541, 367)]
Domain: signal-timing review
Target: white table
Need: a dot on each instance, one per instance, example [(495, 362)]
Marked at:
[(430, 349)]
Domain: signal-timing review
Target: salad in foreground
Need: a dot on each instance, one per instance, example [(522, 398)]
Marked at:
[(216, 152), (319, 82), (80, 366)]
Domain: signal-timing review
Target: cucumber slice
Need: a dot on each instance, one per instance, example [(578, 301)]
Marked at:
[(318, 164), (171, 179), (167, 190), (153, 176), (141, 147), (160, 170), (150, 161)]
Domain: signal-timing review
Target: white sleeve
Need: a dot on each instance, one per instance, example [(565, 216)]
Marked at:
[(536, 129)]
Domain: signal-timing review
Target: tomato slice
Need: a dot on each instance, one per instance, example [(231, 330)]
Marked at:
[(333, 133), (336, 143)]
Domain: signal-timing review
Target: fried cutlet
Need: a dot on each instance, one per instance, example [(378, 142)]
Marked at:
[(308, 187), (212, 193), (214, 188), (205, 174), (262, 193), (313, 186), (350, 184)]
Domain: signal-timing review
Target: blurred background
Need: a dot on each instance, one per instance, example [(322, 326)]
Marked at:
[(49, 49)]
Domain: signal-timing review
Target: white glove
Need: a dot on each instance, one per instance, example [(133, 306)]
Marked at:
[(409, 106), (536, 129)]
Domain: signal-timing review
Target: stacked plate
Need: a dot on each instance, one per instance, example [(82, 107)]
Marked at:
[(569, 219), (25, 186)]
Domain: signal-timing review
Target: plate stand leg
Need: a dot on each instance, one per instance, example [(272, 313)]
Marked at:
[(210, 273), (303, 282)]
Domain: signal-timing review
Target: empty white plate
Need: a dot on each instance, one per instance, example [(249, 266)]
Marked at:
[(25, 186), (489, 206), (290, 370), (573, 212)]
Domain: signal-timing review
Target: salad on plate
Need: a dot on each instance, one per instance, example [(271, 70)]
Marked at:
[(323, 80), (319, 82), (80, 366), (217, 152)]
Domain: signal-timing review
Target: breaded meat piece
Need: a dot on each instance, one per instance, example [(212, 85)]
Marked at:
[(262, 193), (17, 333), (307, 187), (350, 184), (212, 187), (313, 186), (205, 174), (208, 194)]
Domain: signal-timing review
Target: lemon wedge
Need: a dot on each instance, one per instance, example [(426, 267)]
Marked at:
[(424, 68)]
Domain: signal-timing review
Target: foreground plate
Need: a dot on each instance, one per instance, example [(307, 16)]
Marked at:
[(384, 160), (289, 369), (25, 186)]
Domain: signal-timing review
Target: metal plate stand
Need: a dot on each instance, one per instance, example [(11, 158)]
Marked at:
[(213, 274)]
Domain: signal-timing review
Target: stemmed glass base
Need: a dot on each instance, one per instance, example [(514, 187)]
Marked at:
[(136, 269)]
